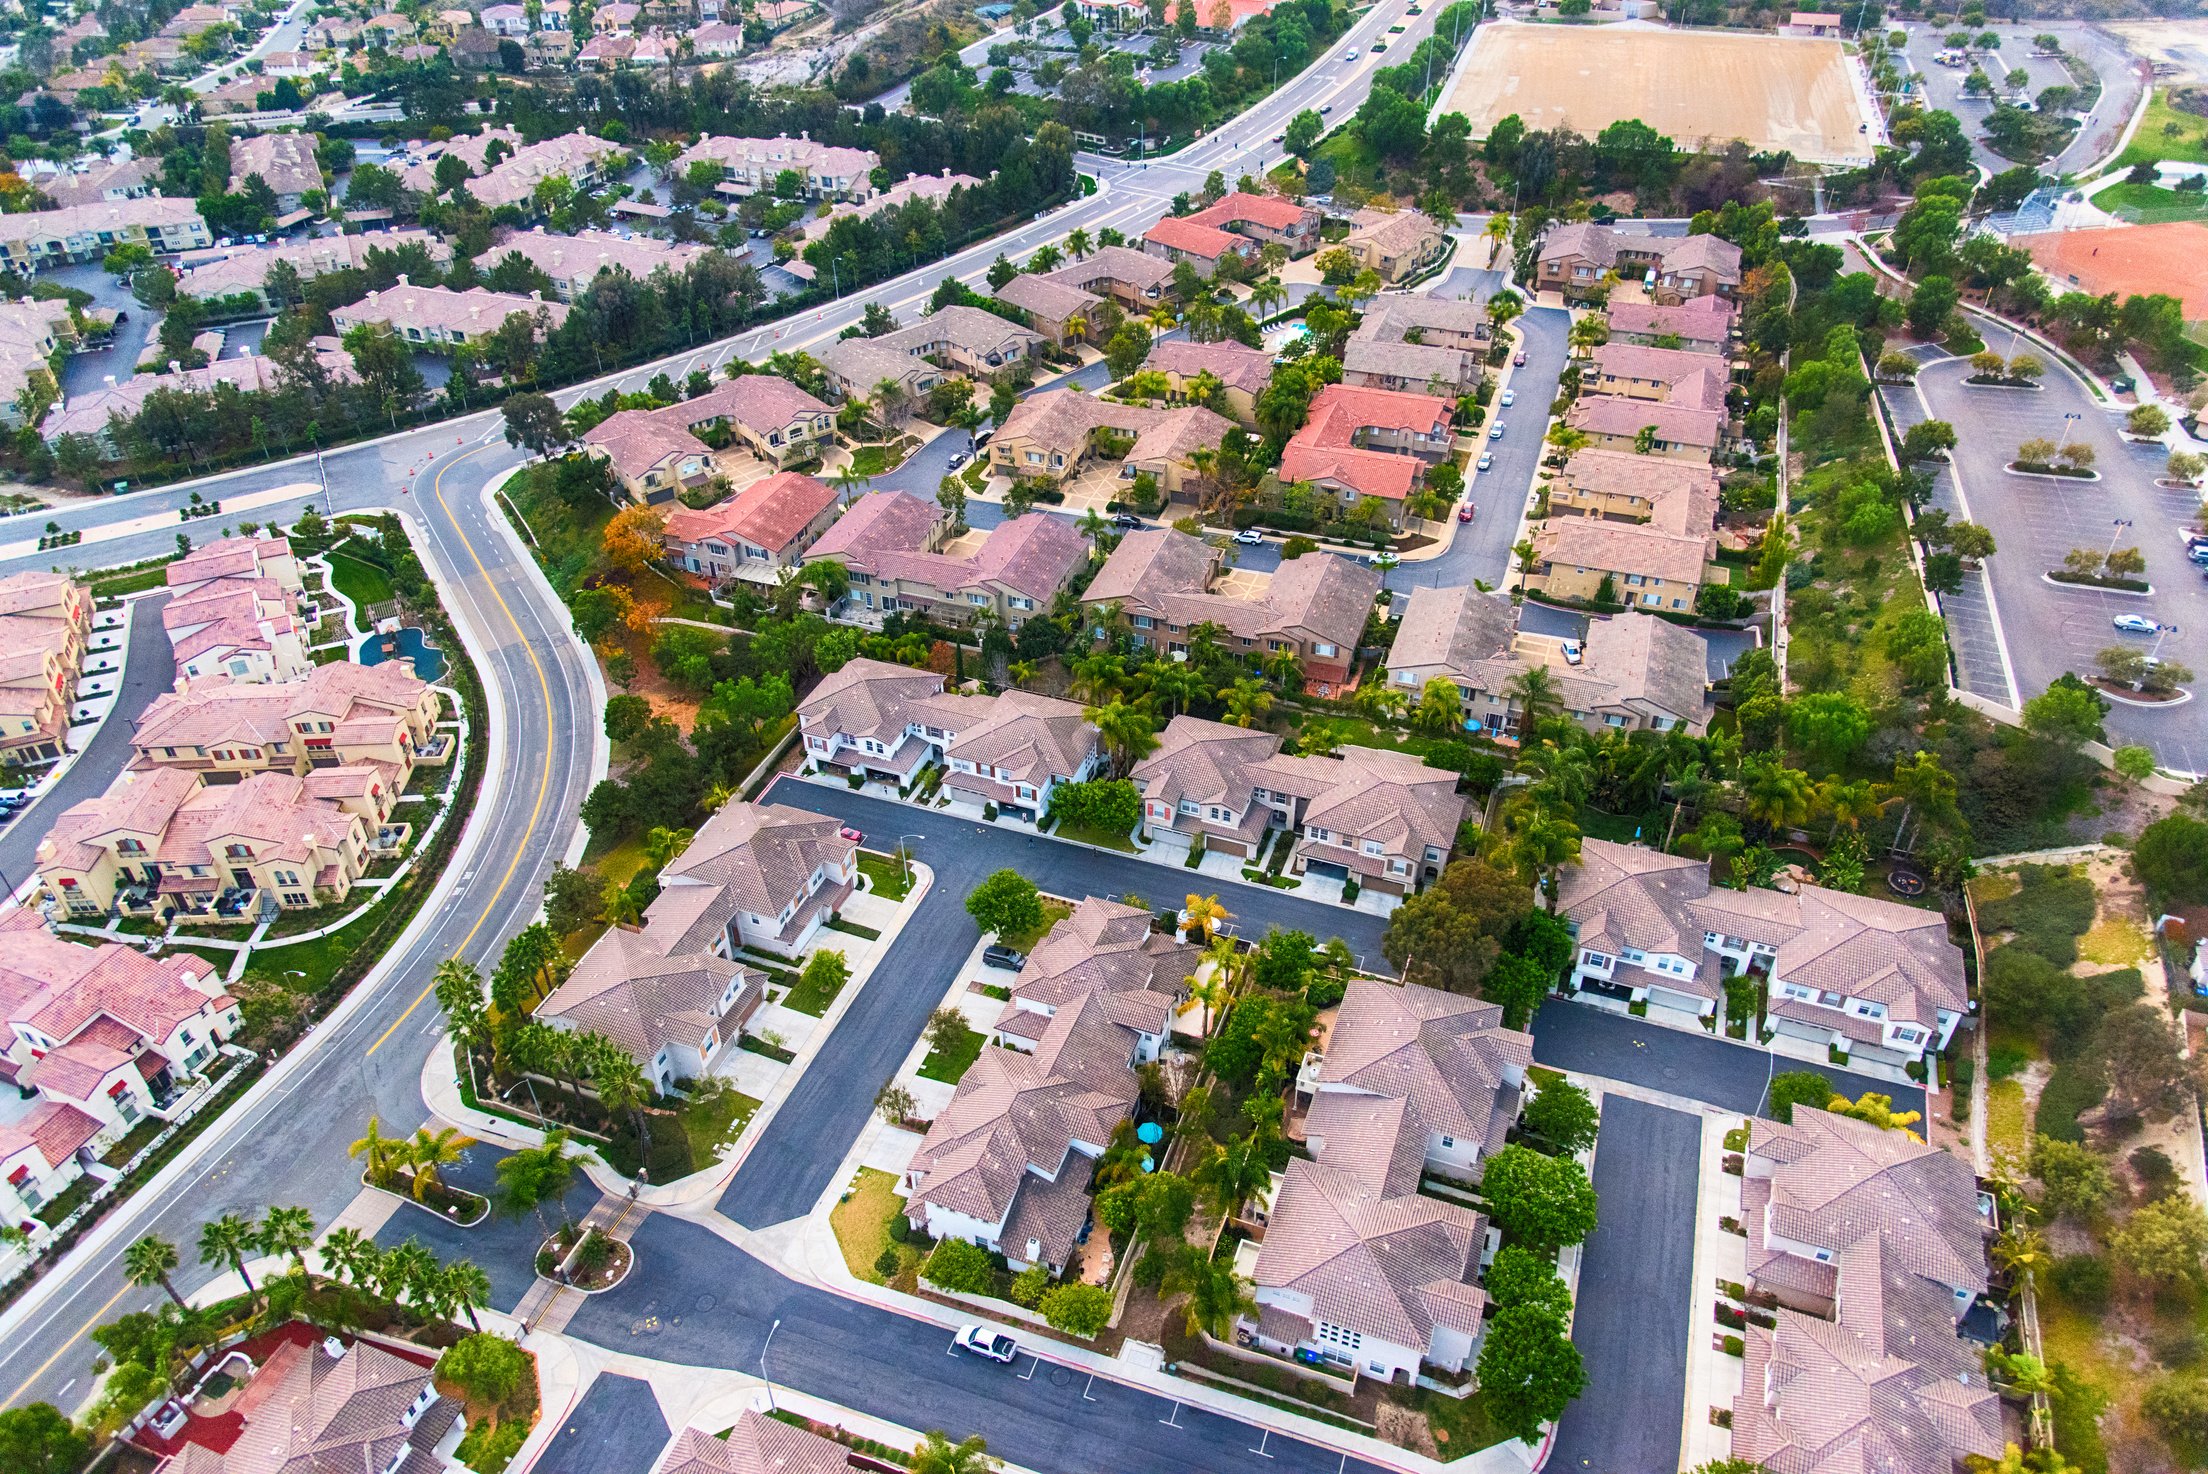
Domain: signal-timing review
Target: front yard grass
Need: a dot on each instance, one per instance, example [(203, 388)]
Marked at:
[(1053, 913), (861, 1222), (2008, 1119), (949, 1066), (359, 580), (884, 876), (2117, 941), (810, 995), (1460, 1425), (1103, 839)]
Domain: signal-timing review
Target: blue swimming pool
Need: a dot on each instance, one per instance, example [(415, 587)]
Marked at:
[(428, 660)]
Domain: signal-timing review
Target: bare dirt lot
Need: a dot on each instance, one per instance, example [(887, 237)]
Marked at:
[(2181, 45), (1693, 86), (2127, 259)]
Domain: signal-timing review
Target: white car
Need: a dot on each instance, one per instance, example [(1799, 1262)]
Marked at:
[(1510, 397), (1571, 652), (1496, 432), (2135, 624), (1249, 537), (1487, 458), (982, 1341), (1350, 55)]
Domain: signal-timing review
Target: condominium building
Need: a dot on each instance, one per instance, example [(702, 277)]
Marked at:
[(755, 165), (45, 620), (1370, 443), (573, 262), (900, 554), (42, 238), (285, 162), (1576, 259), (1419, 344), (243, 270), (381, 718), (438, 317), (953, 342), (1050, 436)]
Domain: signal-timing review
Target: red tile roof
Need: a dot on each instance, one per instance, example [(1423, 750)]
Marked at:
[(1186, 234), (1267, 210), (769, 513)]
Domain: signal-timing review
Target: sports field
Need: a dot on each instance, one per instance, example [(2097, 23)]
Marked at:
[(1775, 92), (2128, 258)]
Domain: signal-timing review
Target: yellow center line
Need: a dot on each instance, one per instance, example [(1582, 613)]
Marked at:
[(17, 1394), (544, 777)]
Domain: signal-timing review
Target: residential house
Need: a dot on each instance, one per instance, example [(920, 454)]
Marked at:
[(1850, 971), (1645, 567), (1681, 432), (438, 317), (1419, 344), (243, 270), (1133, 279), (891, 721), (1394, 243), (39, 1158), (761, 876), (45, 621), (658, 453), (651, 454), (1618, 486), (297, 65), (754, 165), (1383, 818), (945, 344), (1165, 582), (1103, 947), (101, 180), (373, 720), (285, 162), (756, 535), (1049, 436), (237, 594), (718, 38), (1702, 324), (509, 21), (897, 550), (756, 1444), (1376, 443), (619, 16), (1575, 259), (1059, 312), (321, 1404), (572, 262), (1668, 375), (1236, 225), (1635, 672), (671, 1012), (1243, 373), (33, 335), (42, 238)]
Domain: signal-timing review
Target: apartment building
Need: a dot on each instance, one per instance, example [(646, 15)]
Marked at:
[(39, 1158), (285, 162), (99, 180), (1669, 375), (572, 262), (33, 335), (45, 621), (234, 610), (103, 1031), (96, 413), (340, 716), (417, 165), (1680, 432), (1394, 243), (1237, 225), (1700, 324), (42, 238), (1635, 672), (1165, 582), (1103, 947), (241, 270), (900, 555), (1576, 259), (954, 342), (1419, 344), (935, 187), (1370, 443), (1242, 373), (890, 721), (1646, 567), (763, 876), (1852, 972), (752, 165), (1133, 279), (581, 159), (1050, 436), (1060, 313), (755, 535), (1618, 486), (440, 318)]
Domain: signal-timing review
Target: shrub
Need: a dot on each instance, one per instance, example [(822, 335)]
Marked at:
[(958, 1265), (1797, 1087), (1030, 1283), (888, 1262), (2053, 907), (1078, 1309), (2082, 1279)]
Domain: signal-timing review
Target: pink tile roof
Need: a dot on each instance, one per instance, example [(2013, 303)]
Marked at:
[(884, 534), (769, 513), (1185, 234), (1267, 210), (54, 1127)]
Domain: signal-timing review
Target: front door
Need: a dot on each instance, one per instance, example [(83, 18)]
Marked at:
[(242, 879)]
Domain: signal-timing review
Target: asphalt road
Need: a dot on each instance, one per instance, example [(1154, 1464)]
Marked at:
[(1697, 1067), (796, 1160), (616, 1429), (694, 1298), (2120, 75), (1636, 1295), (504, 1245)]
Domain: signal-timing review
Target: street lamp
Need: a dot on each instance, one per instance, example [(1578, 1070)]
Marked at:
[(2069, 422), (2118, 525), (2161, 633), (904, 855), (763, 1361)]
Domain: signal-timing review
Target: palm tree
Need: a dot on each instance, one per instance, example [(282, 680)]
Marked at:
[(1098, 679), (378, 1153), (1268, 296), (1504, 308), (1216, 1296), (1534, 692), (1235, 1171), (350, 1255), (1775, 795), (2023, 1253), (1204, 915), (1176, 685), (1077, 243), (460, 994), (716, 795), (466, 1288), (1093, 526), (1047, 257), (1127, 732), (662, 844), (1589, 333), (288, 1231), (622, 1087), (619, 905), (149, 1262), (407, 1271), (938, 1455), (1849, 804), (1247, 702), (430, 1152), (1497, 233), (227, 1240), (536, 1175)]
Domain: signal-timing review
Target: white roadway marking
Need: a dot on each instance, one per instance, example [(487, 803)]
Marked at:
[(107, 531)]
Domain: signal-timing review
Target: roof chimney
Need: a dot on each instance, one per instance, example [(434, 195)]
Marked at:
[(403, 281)]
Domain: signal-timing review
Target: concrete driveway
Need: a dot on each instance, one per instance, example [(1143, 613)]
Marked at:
[(1725, 646)]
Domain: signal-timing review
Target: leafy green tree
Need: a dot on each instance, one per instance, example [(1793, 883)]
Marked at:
[(1303, 131), (1078, 1309), (488, 1368), (1538, 1200), (957, 1265), (2066, 716), (1529, 1370), (2075, 1180), (1563, 1115), (1829, 727), (2163, 1242), (1007, 903), (1793, 1088), (1450, 934), (1521, 1277), (2171, 857), (38, 1439)]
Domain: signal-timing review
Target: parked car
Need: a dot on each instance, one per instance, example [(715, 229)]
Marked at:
[(1571, 652), (855, 836), (958, 458), (1487, 458), (1351, 54), (982, 1341), (1519, 358), (1249, 537), (1464, 513), (1495, 431), (2134, 624), (996, 954), (1125, 521), (1510, 397)]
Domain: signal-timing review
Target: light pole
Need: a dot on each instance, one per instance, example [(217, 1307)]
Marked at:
[(763, 1361), (2117, 531), (2069, 423), (2161, 633), (904, 855)]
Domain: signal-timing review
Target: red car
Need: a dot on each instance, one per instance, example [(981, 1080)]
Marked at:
[(1518, 359), (851, 834), (1464, 513)]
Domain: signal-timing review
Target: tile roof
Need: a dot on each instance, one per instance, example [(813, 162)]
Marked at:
[(476, 311), (629, 988), (1697, 380), (1204, 762), (217, 710), (285, 162), (1326, 445), (1706, 319), (759, 402), (1169, 573), (514, 179), (1463, 633), (1392, 232), (1602, 245), (636, 442), (1649, 662), (868, 361), (1624, 547), (757, 1444), (92, 412), (1031, 737), (1236, 367), (886, 533), (1107, 947), (56, 1128), (769, 513), (57, 987), (307, 1412), (1372, 794), (222, 271), (1064, 419), (1446, 1053), (1053, 300), (1268, 210), (581, 256), (1614, 414), (760, 856), (1192, 237), (869, 698), (1121, 265), (782, 152), (1656, 479)]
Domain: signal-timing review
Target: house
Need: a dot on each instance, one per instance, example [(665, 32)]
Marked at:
[(1682, 432), (1854, 972), (1048, 436), (1575, 259), (438, 317), (581, 159), (619, 16), (1385, 818), (1635, 671), (572, 262), (1416, 343), (243, 270), (509, 21), (293, 64), (670, 1012), (163, 842), (1243, 373), (771, 417), (1133, 279), (1702, 324), (651, 453), (1103, 947), (755, 165), (33, 334), (897, 551), (1237, 225), (45, 621), (234, 608), (39, 1159), (761, 876), (756, 534), (101, 180), (891, 721), (1165, 582), (954, 341), (1394, 243), (1645, 567), (105, 1029), (285, 162), (88, 232), (321, 1404), (1618, 486), (1667, 375), (757, 1444), (1355, 1266), (1813, 23), (340, 716), (1369, 443), (1059, 312), (718, 38)]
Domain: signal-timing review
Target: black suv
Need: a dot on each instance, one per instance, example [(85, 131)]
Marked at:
[(996, 954)]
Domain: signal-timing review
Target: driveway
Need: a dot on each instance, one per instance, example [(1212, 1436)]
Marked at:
[(1636, 1294), (1725, 645), (1699, 1067), (82, 373), (795, 1161), (2036, 520), (616, 1429)]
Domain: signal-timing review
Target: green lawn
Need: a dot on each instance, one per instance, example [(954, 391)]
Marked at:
[(875, 460), (861, 1222), (1090, 834), (806, 996), (2150, 204), (1053, 913), (2008, 1127), (361, 582), (884, 876), (712, 1120), (950, 1066), (2154, 142)]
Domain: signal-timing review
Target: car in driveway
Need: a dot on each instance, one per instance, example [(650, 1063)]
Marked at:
[(1571, 652), (1011, 959), (1125, 521), (2135, 624), (982, 1341), (1249, 537)]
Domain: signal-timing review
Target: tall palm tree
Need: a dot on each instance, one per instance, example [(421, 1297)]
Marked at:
[(466, 1288), (662, 844), (1268, 296), (1077, 243), (350, 1255), (227, 1240), (1849, 803), (288, 1231), (1093, 526), (1589, 333), (1216, 1296), (406, 1271), (1504, 308), (1775, 795), (1127, 732), (1498, 234), (938, 1455), (1235, 1171), (621, 1087), (430, 1152), (536, 1175), (1247, 702), (1175, 685), (1205, 913), (460, 994), (377, 1153), (150, 1261), (1098, 679), (1534, 691)]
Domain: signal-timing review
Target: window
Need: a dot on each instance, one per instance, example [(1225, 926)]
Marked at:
[(1596, 959), (1405, 678), (1325, 650)]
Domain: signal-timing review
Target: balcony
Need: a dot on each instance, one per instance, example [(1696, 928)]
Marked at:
[(435, 751)]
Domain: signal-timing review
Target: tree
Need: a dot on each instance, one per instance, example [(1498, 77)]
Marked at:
[(534, 422), (287, 1231), (1007, 903), (1930, 304), (430, 1152), (149, 1261), (2144, 1061), (1874, 1109), (2171, 858), (1128, 733), (1451, 933), (533, 1176), (1829, 727), (1303, 131), (467, 1288), (227, 1240), (2162, 1243), (894, 1104), (38, 1439), (488, 1368), (1971, 542), (1541, 1201), (1529, 1370), (1216, 1297), (1077, 1308), (2148, 422), (1563, 1115), (378, 1154), (1928, 440), (1796, 1087), (2066, 716), (938, 1455), (1521, 1277), (957, 1265), (2074, 1179)]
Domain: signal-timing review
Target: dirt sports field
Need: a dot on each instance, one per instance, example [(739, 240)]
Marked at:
[(1775, 92), (2127, 259)]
